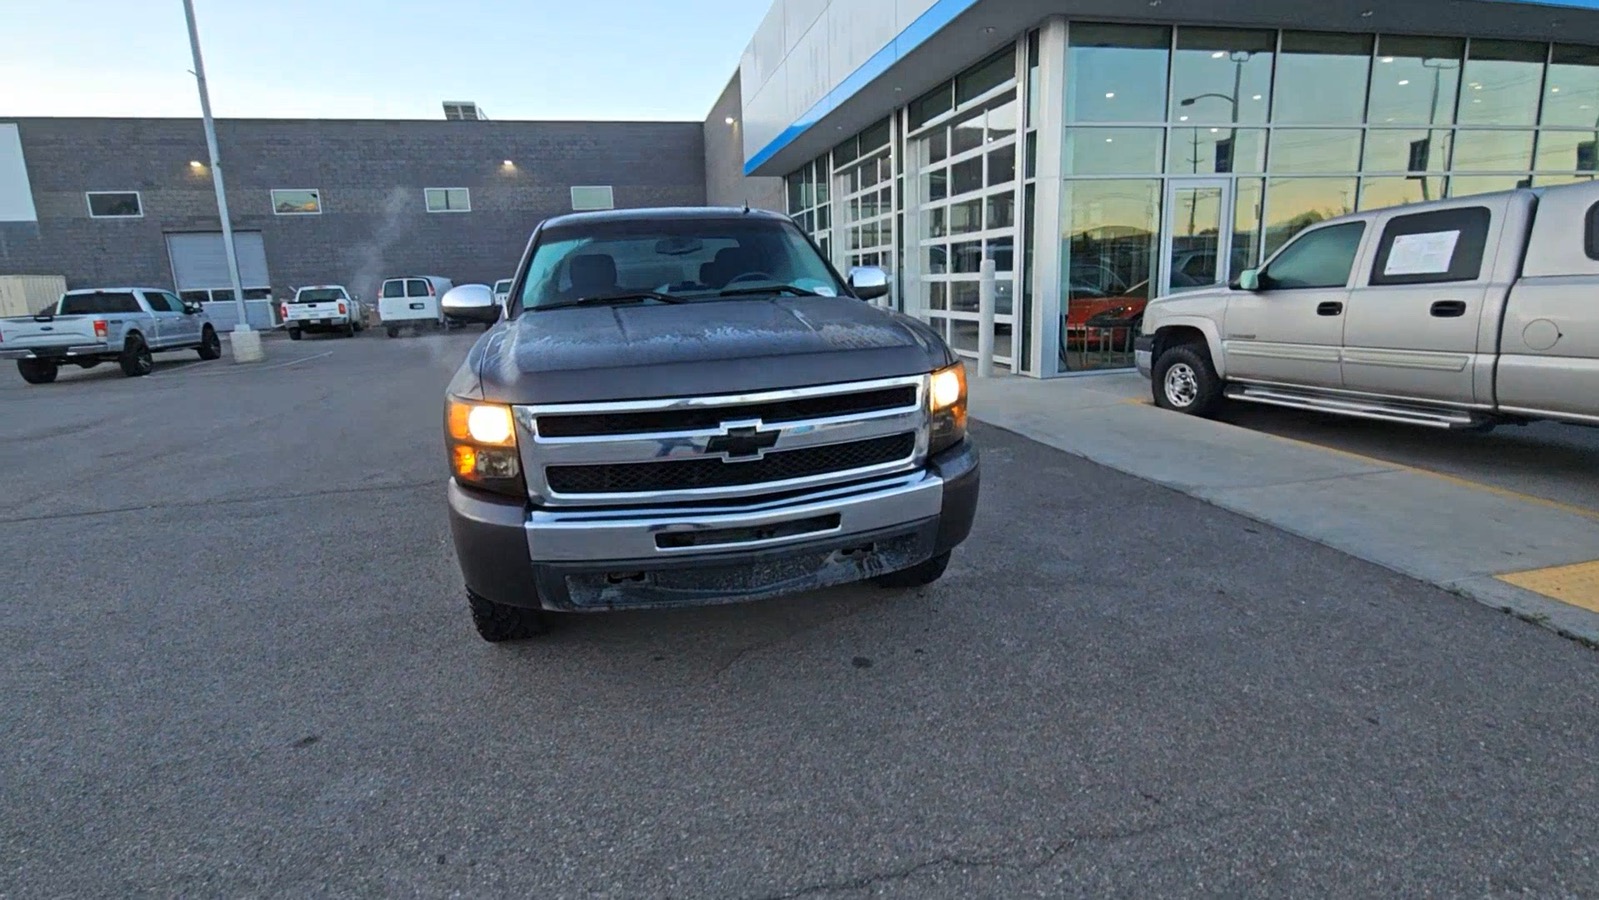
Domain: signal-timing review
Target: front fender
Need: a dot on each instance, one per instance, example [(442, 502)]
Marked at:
[(1203, 325)]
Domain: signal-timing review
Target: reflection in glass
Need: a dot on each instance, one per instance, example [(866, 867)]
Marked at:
[(965, 177), (967, 134), (985, 76), (1379, 193), (963, 296), (966, 217), (966, 257), (1111, 237), (1572, 95), (1492, 151), (1197, 218), (1117, 73), (1314, 151), (1486, 184), (1321, 78), (1415, 81), (1406, 150), (963, 335), (1568, 151), (1002, 166), (1001, 119), (1222, 76), (1502, 82), (1001, 210), (1555, 180), (1213, 150), (1292, 204), (1112, 151), (1247, 196)]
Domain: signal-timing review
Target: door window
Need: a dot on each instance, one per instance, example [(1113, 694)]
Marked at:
[(1322, 258), (158, 303), (416, 287), (1433, 247)]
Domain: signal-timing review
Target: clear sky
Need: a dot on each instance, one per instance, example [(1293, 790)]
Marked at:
[(534, 59)]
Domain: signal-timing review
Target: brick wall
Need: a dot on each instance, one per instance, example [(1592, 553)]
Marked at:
[(370, 173)]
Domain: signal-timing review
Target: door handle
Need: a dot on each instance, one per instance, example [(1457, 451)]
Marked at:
[(1330, 308), (1449, 309)]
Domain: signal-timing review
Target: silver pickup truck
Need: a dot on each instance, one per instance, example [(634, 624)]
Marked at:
[(1461, 313), (121, 325)]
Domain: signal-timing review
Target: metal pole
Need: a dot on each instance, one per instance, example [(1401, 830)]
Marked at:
[(986, 285), (243, 326)]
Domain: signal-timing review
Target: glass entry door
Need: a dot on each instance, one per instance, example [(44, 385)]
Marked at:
[(1196, 250)]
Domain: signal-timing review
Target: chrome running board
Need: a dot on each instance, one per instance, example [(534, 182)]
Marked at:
[(1358, 408)]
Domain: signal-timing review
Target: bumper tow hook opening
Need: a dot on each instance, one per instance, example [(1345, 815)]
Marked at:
[(856, 554), (625, 578)]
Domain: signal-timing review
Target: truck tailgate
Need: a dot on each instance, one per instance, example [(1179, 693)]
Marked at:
[(320, 309), (61, 331)]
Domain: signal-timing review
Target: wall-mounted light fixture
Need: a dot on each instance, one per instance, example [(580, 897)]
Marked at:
[(730, 120)]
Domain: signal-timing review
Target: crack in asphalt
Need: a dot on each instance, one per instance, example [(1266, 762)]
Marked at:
[(1001, 860), (225, 501)]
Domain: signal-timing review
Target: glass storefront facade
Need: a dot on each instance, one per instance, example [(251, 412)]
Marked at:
[(1127, 161)]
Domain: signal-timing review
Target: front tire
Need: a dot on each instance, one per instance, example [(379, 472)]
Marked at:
[(210, 344), (916, 576), (393, 331), (38, 371), (498, 623), (1185, 381), (136, 360)]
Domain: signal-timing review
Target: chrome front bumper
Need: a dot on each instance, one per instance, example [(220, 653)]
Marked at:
[(639, 534)]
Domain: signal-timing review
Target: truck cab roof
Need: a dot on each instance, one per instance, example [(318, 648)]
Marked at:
[(668, 213)]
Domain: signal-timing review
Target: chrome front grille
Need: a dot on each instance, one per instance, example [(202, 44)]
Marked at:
[(708, 448)]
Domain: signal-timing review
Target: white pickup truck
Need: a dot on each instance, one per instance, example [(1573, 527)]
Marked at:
[(121, 325), (1463, 313), (323, 307)]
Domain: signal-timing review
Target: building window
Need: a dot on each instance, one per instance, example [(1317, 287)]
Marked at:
[(115, 205), (297, 202), (1118, 73), (588, 197), (441, 200)]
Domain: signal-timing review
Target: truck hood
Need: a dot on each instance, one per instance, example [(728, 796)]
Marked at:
[(709, 347), (1202, 302)]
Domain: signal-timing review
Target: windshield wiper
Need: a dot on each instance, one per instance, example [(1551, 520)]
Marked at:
[(608, 299), (769, 289)]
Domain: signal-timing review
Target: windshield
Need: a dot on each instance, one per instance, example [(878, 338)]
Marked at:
[(681, 258), (319, 295)]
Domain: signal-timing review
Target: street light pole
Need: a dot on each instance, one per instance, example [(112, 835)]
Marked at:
[(246, 343)]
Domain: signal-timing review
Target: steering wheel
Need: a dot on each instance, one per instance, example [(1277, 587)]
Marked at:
[(751, 276)]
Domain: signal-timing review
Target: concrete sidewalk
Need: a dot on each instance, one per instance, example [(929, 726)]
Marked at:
[(1469, 538)]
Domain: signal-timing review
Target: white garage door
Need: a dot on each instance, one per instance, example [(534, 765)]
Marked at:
[(199, 263)]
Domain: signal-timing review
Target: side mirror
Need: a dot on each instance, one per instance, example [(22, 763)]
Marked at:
[(472, 302), (191, 308), (868, 282), (1248, 280)]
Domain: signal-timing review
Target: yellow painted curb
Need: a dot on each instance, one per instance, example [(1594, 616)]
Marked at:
[(1577, 585)]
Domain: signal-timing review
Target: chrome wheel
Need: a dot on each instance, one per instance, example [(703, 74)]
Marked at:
[(1182, 385)]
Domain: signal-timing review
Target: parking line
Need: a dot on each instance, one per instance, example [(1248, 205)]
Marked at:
[(1456, 480), (281, 365), (1575, 585)]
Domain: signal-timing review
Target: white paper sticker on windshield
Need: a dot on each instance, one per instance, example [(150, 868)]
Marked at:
[(1422, 254)]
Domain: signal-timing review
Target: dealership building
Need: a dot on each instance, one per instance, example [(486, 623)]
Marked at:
[(1099, 151)]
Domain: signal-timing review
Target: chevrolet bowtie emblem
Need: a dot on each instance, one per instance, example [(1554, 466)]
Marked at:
[(743, 443)]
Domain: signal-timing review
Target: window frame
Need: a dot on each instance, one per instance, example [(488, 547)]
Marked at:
[(445, 191), (610, 191), (273, 195), (1265, 270), (1591, 232), (89, 203), (1480, 217)]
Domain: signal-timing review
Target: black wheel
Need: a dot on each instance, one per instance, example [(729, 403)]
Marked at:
[(393, 331), (916, 576), (136, 360), (38, 371), (349, 329), (498, 623), (294, 334), (210, 344), (1185, 381)]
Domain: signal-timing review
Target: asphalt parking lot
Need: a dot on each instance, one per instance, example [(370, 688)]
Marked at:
[(239, 663)]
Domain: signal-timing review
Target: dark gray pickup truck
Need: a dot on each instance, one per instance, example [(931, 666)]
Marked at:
[(690, 406)]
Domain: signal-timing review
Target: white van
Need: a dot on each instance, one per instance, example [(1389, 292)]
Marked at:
[(412, 301)]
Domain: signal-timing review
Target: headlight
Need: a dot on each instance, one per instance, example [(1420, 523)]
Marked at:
[(946, 397), (482, 446)]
